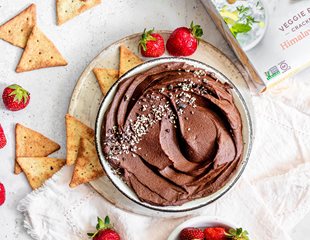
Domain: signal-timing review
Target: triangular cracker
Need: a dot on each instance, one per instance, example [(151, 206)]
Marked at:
[(87, 167), (127, 60), (40, 52), (39, 169), (17, 30), (68, 9), (30, 143), (106, 78), (75, 131)]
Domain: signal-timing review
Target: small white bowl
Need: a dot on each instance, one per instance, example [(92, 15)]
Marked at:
[(197, 203), (201, 222)]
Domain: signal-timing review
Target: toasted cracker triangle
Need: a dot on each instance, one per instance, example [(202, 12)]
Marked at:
[(87, 167), (17, 30), (68, 9), (30, 143), (40, 52), (106, 78), (75, 131), (128, 60), (39, 169)]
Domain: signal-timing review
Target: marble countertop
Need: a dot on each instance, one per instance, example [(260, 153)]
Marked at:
[(79, 40)]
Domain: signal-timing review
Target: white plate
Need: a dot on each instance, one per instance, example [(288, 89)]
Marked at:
[(86, 99), (200, 222), (197, 203)]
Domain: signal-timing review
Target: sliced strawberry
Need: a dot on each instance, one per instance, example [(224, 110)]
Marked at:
[(215, 233)]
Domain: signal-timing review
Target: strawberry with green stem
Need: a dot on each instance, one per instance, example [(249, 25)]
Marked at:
[(220, 233), (151, 44), (15, 98), (105, 230), (184, 41)]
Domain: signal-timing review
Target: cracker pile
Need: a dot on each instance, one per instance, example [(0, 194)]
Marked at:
[(17, 30), (106, 77), (31, 150), (23, 31), (81, 151)]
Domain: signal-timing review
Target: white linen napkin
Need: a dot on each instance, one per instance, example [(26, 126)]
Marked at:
[(57, 212), (272, 196)]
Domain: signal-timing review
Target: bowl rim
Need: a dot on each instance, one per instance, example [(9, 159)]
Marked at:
[(244, 162)]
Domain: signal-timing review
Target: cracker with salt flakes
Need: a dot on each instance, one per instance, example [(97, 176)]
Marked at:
[(75, 131), (17, 30), (40, 52), (87, 167), (105, 77), (68, 9), (39, 169), (128, 60)]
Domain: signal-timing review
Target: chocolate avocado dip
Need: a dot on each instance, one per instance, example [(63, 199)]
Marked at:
[(173, 134)]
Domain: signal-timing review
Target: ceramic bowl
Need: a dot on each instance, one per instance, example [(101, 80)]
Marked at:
[(201, 222), (194, 204)]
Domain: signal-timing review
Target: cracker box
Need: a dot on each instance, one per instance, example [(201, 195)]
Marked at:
[(271, 39)]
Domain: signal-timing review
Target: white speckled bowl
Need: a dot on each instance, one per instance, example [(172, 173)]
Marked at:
[(247, 137), (200, 222)]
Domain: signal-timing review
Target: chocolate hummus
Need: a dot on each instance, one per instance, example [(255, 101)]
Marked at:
[(173, 133)]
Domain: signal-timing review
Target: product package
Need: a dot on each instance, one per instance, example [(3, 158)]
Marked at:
[(271, 39)]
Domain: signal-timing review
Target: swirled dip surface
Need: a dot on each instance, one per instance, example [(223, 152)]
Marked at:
[(173, 133)]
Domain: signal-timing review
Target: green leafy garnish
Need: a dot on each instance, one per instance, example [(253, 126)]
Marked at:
[(240, 20), (237, 234)]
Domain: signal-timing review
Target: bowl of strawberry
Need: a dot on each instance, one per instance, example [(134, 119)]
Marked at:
[(208, 228)]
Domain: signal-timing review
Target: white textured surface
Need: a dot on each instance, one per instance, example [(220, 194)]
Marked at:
[(79, 40)]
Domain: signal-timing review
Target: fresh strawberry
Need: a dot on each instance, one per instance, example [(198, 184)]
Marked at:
[(107, 234), (237, 234), (105, 231), (2, 138), (183, 41), (215, 233), (151, 44), (2, 194), (191, 234), (15, 97)]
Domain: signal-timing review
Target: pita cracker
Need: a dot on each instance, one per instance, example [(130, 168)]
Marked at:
[(30, 143), (87, 167), (75, 131), (39, 169), (68, 9), (17, 30), (106, 78), (128, 60), (40, 52)]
